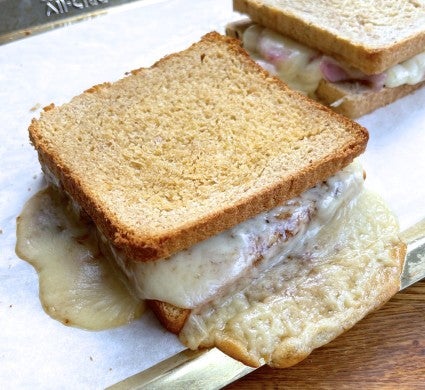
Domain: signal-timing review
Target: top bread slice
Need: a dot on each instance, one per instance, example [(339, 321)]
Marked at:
[(202, 140), (368, 35)]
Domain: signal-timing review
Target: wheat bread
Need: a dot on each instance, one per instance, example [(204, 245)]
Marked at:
[(171, 317), (202, 140), (355, 100), (368, 35)]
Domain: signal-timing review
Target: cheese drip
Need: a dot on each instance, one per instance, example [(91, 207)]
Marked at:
[(303, 68), (78, 285), (230, 260)]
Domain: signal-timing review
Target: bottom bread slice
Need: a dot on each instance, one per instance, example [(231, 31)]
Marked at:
[(306, 301), (355, 100)]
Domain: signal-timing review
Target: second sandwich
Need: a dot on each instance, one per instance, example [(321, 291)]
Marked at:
[(354, 56)]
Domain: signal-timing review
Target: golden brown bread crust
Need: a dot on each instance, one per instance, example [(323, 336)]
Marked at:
[(355, 100), (145, 246), (171, 317), (370, 60)]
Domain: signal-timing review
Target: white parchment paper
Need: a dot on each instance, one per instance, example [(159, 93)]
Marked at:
[(39, 353)]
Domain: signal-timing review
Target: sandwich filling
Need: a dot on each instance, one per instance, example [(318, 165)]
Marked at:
[(303, 68), (229, 261)]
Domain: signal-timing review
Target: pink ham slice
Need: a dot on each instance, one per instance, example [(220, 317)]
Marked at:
[(333, 72)]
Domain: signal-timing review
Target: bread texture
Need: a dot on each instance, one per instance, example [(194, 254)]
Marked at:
[(193, 145), (306, 302), (171, 317), (368, 35)]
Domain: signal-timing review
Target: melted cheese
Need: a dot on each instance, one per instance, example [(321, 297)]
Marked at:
[(231, 259), (299, 66), (409, 72), (295, 64), (78, 285), (309, 298), (300, 274)]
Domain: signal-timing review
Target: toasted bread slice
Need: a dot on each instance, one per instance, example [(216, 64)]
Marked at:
[(355, 100), (202, 140), (367, 35)]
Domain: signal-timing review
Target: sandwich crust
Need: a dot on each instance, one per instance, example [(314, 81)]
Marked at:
[(171, 317), (354, 100), (368, 35), (199, 142)]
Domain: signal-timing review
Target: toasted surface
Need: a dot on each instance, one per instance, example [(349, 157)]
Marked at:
[(171, 317), (199, 142), (307, 301), (368, 35), (354, 100)]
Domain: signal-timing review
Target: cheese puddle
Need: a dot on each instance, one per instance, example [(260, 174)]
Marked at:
[(78, 285), (300, 67)]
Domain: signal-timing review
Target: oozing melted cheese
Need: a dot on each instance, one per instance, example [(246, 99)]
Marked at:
[(78, 285), (299, 66), (229, 260), (221, 265), (300, 274), (292, 62)]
